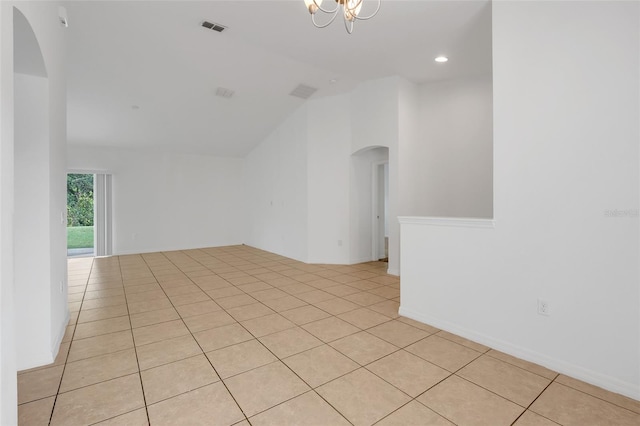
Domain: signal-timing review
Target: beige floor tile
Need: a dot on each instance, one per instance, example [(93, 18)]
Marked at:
[(185, 299), (296, 288), (270, 294), (146, 296), (315, 296), (267, 325), (178, 377), (97, 328), (529, 366), (614, 398), (100, 345), (414, 413), (364, 298), (341, 290), (364, 318), (290, 342), (363, 347), (285, 303), (443, 353), (304, 314), (321, 283), (254, 286), (569, 407), (180, 290), (98, 369), (224, 292), (388, 308), (426, 327), (158, 332), (131, 290), (132, 418), (198, 308), (345, 278), (68, 333), (148, 306), (398, 333), (245, 280), (39, 384), (102, 313), (462, 341), (330, 329), (386, 292), (103, 302), (262, 388), (234, 301), (209, 405), (305, 410), (153, 317), (247, 312), (36, 413), (208, 321), (407, 372), (167, 351), (240, 358), (362, 397), (462, 402), (320, 365), (98, 292), (337, 306), (529, 418), (508, 381), (220, 337), (98, 402)]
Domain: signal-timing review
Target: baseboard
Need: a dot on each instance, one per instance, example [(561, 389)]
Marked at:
[(394, 271), (597, 379), (56, 344)]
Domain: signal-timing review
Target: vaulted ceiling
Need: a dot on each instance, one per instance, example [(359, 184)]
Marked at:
[(143, 74)]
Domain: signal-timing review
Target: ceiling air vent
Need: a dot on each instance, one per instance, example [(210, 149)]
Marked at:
[(213, 26), (224, 93), (303, 91)]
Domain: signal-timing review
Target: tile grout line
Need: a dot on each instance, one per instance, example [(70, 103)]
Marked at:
[(70, 342), (198, 343), (144, 397)]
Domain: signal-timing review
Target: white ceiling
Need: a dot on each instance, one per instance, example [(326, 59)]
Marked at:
[(155, 55)]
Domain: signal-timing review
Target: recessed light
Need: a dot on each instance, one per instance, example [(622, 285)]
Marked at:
[(333, 80), (134, 107), (441, 59)]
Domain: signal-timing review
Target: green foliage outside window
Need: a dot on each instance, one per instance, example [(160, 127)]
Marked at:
[(79, 200)]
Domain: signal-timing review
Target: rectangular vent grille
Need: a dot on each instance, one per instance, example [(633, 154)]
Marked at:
[(224, 93), (213, 26), (303, 91)]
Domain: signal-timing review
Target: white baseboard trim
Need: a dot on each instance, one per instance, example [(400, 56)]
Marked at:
[(612, 384), (61, 332), (394, 271)]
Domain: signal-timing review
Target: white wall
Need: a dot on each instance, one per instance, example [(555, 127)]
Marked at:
[(329, 137), (43, 18), (454, 142), (275, 190), (566, 134), (167, 201), (31, 226)]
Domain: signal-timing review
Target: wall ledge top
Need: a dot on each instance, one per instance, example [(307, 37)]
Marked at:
[(458, 222)]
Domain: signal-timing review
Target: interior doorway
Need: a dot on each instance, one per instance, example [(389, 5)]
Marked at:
[(380, 211)]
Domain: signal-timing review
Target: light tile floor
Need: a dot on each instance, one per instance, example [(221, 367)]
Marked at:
[(236, 335)]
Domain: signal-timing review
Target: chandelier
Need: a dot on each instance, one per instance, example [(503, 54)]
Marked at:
[(350, 12)]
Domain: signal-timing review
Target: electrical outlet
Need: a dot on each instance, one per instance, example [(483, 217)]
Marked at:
[(543, 307), (61, 286)]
